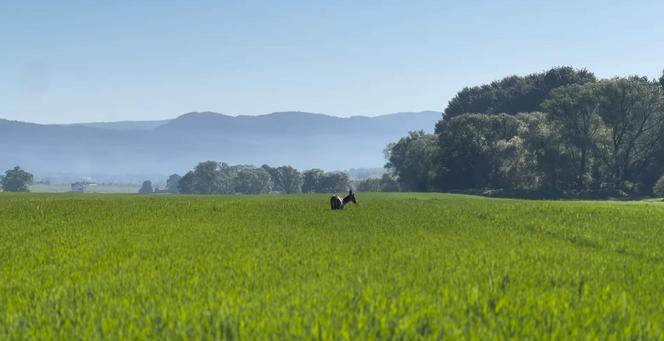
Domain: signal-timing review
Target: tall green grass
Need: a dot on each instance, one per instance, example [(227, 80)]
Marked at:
[(399, 266)]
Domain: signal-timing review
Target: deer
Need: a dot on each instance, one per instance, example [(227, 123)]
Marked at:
[(337, 203)]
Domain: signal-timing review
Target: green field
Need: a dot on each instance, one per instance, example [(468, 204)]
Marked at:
[(399, 266)]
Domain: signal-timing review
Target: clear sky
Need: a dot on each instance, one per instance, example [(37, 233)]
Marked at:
[(80, 61)]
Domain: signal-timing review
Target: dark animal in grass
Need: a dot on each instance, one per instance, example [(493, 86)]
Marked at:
[(337, 203)]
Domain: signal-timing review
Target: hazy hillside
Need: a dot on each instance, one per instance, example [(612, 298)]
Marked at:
[(124, 125), (304, 140)]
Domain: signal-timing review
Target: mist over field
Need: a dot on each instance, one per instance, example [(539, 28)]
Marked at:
[(131, 150)]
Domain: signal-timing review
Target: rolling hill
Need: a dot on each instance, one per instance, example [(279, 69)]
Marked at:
[(303, 140)]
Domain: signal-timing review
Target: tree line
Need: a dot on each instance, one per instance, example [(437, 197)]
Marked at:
[(211, 177), (559, 132)]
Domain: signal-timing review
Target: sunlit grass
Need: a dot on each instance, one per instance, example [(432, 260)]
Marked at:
[(286, 267)]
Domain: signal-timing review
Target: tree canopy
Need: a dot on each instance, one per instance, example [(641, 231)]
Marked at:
[(172, 183), (146, 188), (16, 180), (285, 179), (411, 160), (514, 94)]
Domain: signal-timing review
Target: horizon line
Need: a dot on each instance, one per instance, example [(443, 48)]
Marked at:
[(218, 113)]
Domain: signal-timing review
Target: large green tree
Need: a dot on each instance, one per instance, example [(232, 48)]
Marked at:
[(172, 183), (285, 179), (632, 112), (333, 182), (311, 179), (575, 108), (146, 188), (208, 178), (468, 149), (16, 180), (186, 183), (252, 180), (553, 160), (411, 160)]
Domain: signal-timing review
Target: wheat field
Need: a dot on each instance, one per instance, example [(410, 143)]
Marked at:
[(398, 266)]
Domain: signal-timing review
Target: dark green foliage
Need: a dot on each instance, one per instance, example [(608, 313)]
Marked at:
[(186, 184), (411, 160), (468, 149), (613, 131), (514, 94), (285, 179), (310, 180), (333, 182), (146, 188), (250, 180), (172, 183), (289, 179), (632, 112), (212, 177), (208, 178), (16, 180), (318, 181), (603, 136), (552, 160), (574, 109)]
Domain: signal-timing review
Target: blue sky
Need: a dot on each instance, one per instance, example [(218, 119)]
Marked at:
[(74, 61)]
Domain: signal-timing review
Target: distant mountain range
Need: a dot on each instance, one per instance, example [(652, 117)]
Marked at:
[(303, 140), (124, 125)]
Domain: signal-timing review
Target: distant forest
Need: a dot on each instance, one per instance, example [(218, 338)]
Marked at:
[(211, 177), (560, 133)]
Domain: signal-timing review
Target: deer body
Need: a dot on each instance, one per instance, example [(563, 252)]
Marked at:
[(337, 203)]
